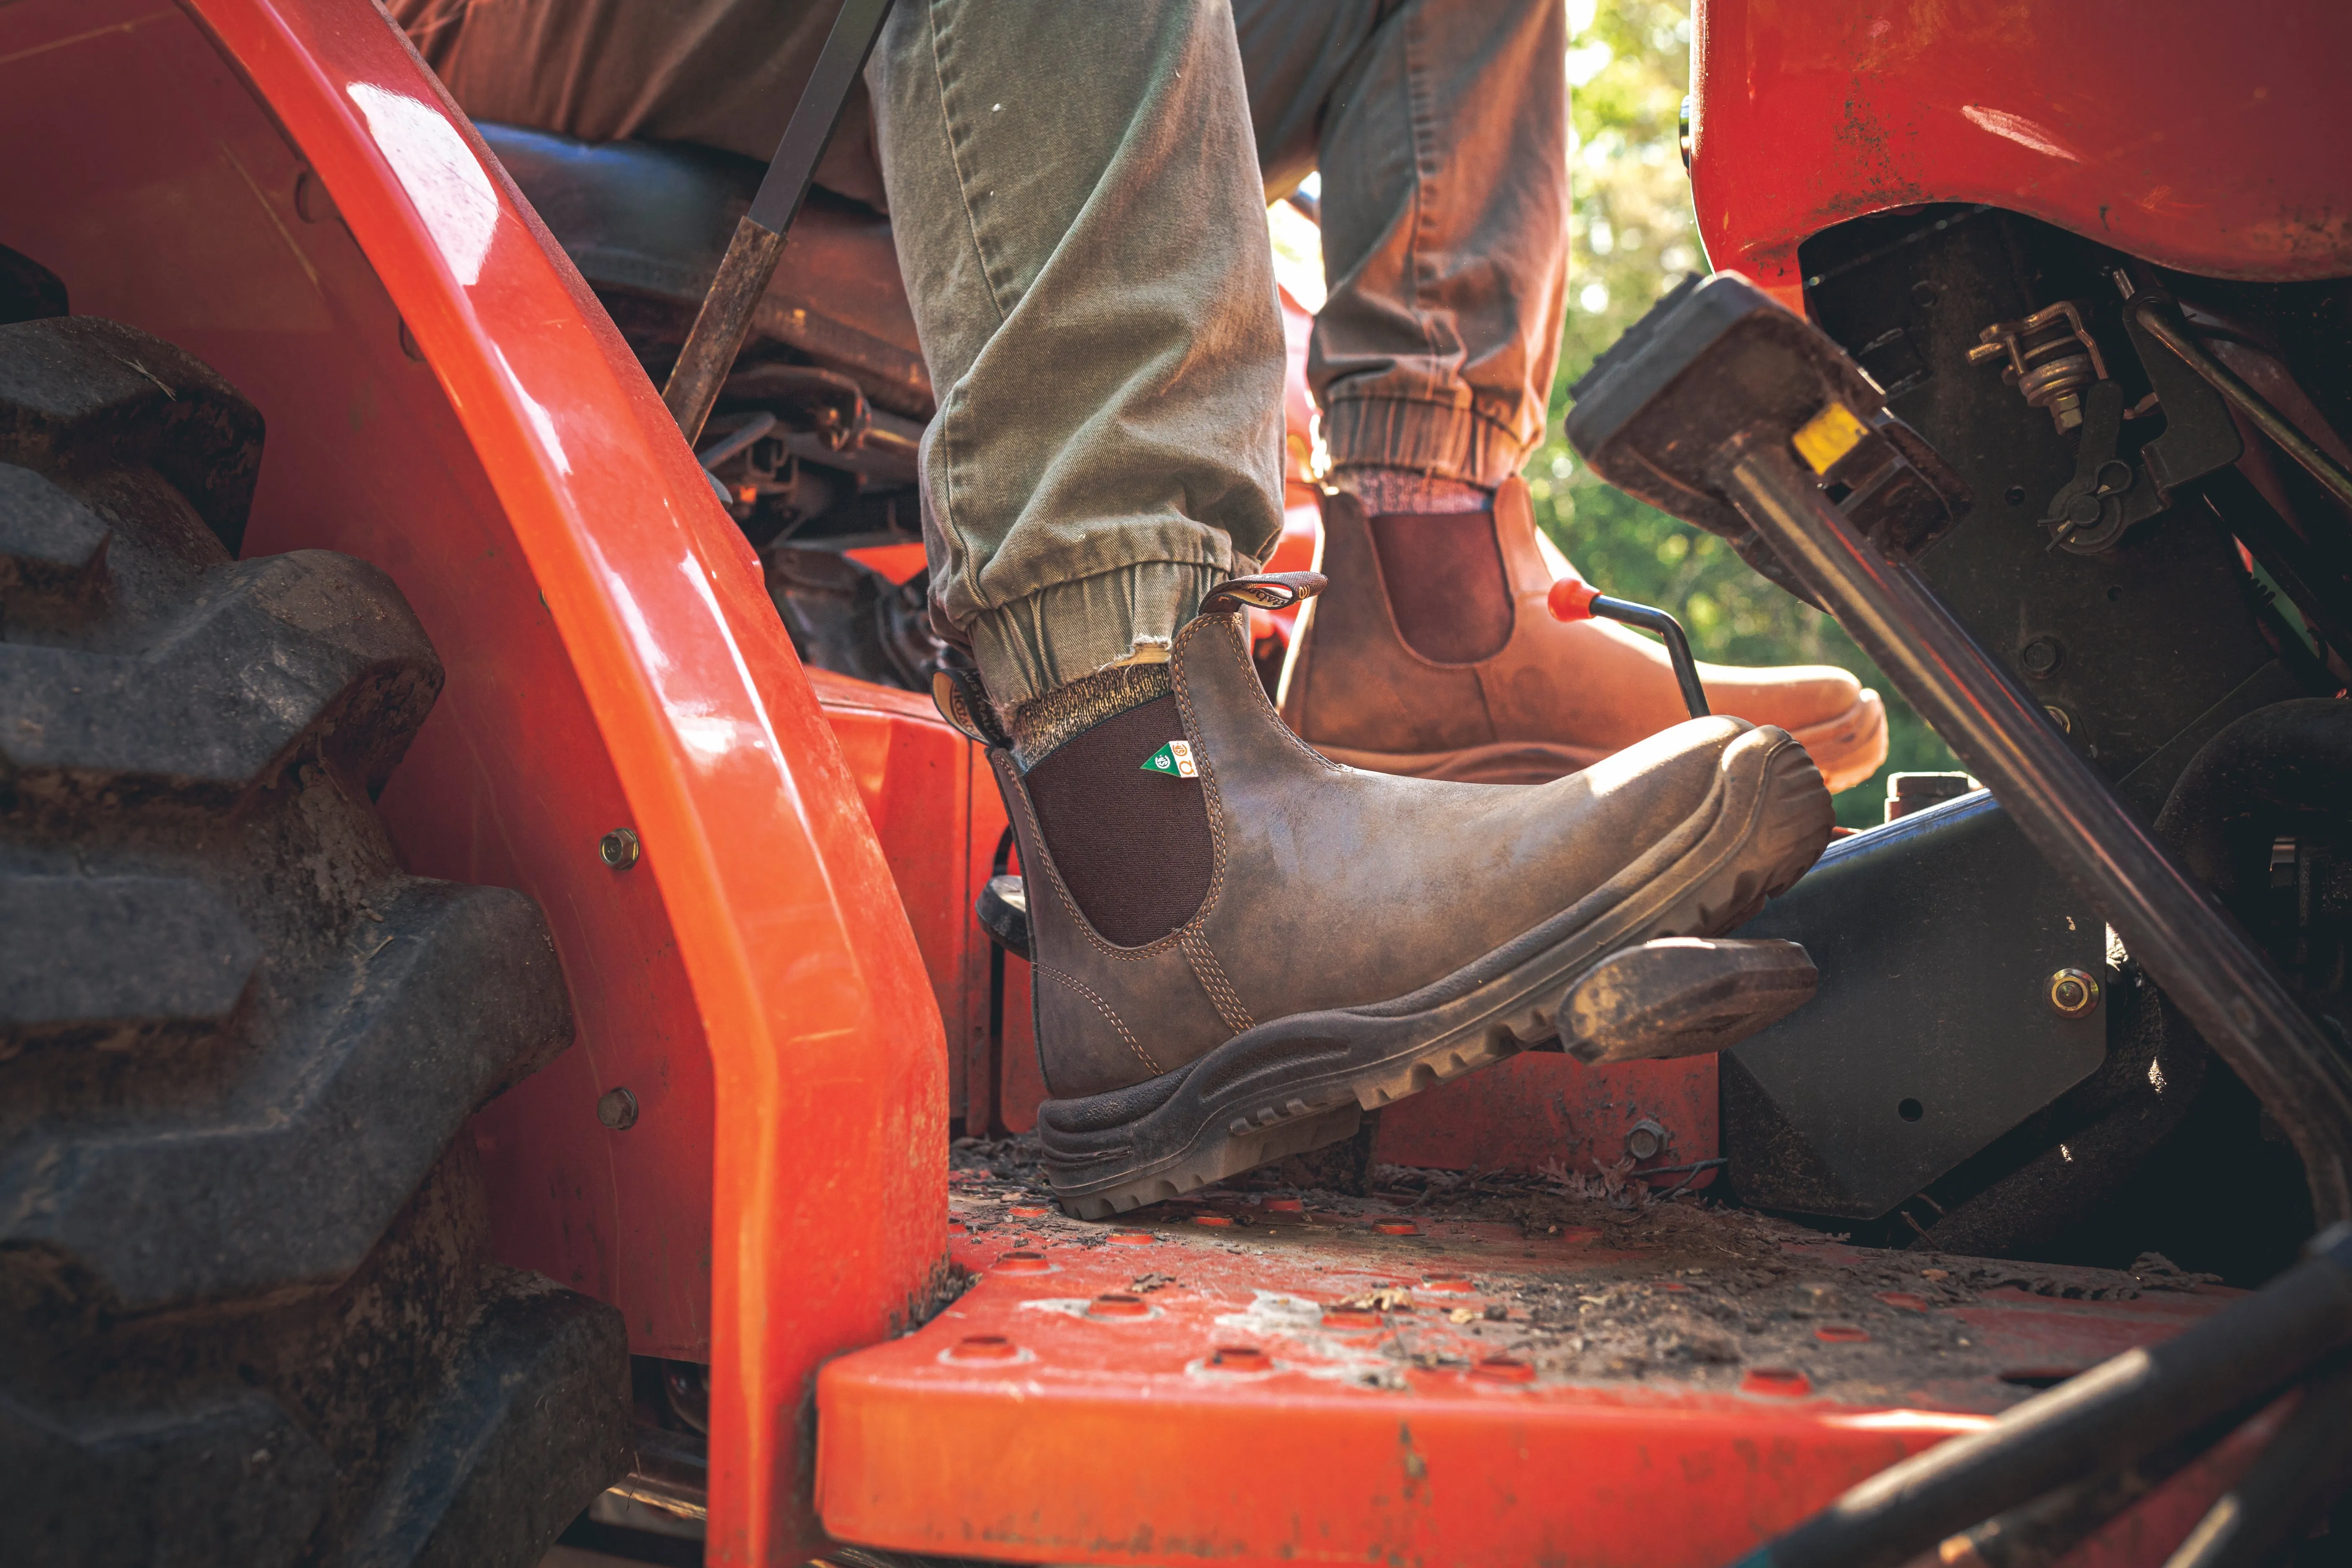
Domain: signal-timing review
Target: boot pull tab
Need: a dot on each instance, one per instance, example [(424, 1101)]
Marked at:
[(963, 704), (1267, 591), (1573, 599)]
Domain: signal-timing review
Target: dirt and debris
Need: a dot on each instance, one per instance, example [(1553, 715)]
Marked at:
[(1015, 1162), (1589, 1276)]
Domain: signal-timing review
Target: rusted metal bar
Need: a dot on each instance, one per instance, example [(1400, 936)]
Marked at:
[(724, 318), (2163, 322), (672, 1472), (2109, 1417), (2295, 1477)]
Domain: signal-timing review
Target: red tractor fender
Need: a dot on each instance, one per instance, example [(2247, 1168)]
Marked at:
[(284, 190), (2208, 142)]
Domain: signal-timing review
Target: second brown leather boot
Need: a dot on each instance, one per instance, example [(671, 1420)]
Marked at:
[(1432, 655), (1240, 944)]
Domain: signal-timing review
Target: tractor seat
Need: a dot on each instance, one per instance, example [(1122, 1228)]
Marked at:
[(646, 223)]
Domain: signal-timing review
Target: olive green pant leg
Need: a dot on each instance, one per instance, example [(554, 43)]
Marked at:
[(1441, 129), (1081, 225)]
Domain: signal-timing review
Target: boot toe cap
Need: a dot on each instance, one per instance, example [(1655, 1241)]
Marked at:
[(1837, 717), (1851, 746)]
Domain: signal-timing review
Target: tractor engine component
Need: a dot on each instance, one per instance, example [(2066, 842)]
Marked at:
[(1721, 394), (2143, 626), (2050, 359), (1892, 484)]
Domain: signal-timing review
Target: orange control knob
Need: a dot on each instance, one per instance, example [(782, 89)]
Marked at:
[(1571, 598)]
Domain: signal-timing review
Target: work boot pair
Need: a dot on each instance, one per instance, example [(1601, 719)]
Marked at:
[(1431, 655), (1241, 944)]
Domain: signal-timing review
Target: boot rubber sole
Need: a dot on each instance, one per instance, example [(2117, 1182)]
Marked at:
[(1303, 1081), (1847, 748)]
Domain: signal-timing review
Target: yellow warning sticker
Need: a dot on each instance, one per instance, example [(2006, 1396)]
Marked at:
[(1828, 436)]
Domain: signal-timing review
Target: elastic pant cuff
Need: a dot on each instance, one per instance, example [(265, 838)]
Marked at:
[(1068, 631), (1434, 439)]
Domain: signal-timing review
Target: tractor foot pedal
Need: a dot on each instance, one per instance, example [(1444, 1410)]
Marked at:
[(1004, 910), (1681, 996)]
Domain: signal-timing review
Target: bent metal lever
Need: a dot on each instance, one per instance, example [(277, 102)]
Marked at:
[(1725, 408), (1574, 599)]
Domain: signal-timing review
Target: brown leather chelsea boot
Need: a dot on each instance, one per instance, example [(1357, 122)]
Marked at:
[(1240, 944), (1431, 655)]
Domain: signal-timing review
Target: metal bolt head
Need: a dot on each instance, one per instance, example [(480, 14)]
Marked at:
[(619, 849), (617, 1109), (2072, 992), (311, 201), (2040, 658), (1647, 1141)]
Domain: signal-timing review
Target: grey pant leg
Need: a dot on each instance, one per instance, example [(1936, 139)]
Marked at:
[(1441, 128), (1079, 219)]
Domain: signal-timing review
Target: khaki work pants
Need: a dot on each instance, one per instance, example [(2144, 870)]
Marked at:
[(1076, 188)]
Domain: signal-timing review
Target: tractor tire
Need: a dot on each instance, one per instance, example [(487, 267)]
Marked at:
[(247, 1311)]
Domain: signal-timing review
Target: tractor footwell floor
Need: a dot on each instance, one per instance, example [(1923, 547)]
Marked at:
[(1509, 1369)]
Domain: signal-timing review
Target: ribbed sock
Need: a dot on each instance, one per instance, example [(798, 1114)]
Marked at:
[(1395, 491), (1042, 723)]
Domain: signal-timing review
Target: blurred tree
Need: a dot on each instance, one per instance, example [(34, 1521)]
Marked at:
[(1631, 237)]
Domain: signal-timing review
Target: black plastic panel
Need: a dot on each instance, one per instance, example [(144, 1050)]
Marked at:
[(1932, 1034)]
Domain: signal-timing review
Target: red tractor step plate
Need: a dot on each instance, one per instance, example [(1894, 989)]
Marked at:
[(1518, 1370)]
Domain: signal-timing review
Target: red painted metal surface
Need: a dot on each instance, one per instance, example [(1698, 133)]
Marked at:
[(917, 777), (1545, 1108), (2212, 145), (613, 661), (899, 562), (1194, 1384)]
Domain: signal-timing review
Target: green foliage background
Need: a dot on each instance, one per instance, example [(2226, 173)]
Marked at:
[(1632, 236)]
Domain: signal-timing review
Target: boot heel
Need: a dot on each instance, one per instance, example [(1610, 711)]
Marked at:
[(1680, 996)]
